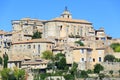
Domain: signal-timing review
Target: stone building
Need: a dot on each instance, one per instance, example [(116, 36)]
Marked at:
[(2, 46), (32, 48), (23, 29), (59, 35), (65, 26)]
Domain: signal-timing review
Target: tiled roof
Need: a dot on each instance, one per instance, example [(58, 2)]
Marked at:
[(100, 48), (35, 62), (40, 40), (15, 58), (57, 49), (71, 20), (2, 32), (82, 47)]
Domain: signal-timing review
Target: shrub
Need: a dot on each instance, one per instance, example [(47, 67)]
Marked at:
[(98, 68), (80, 43), (69, 77), (109, 58), (83, 74)]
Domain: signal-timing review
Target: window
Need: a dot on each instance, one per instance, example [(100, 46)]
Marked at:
[(93, 59), (81, 50), (100, 59), (89, 51), (20, 45), (33, 46), (82, 59), (38, 48), (50, 46), (103, 38), (29, 46), (61, 27), (90, 59)]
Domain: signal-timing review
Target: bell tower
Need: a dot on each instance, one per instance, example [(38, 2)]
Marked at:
[(66, 14)]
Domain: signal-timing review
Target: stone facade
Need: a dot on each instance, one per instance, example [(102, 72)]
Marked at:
[(23, 29), (59, 35), (31, 48)]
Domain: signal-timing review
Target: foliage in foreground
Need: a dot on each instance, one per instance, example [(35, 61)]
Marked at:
[(98, 68), (16, 74)]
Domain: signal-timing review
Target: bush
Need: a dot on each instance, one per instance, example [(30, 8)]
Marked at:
[(80, 43), (115, 47), (69, 77), (89, 71), (37, 35), (83, 74), (109, 58), (98, 68)]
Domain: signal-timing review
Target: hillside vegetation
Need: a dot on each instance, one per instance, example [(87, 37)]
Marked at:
[(115, 47)]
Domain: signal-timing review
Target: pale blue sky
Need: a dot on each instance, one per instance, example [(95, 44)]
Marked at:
[(102, 13)]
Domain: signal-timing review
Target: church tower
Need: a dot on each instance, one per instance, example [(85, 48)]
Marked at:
[(66, 14)]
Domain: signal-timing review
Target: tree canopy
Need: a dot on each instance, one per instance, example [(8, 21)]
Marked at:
[(80, 43), (16, 74), (6, 58), (59, 56), (74, 68), (61, 64), (98, 68), (109, 58), (47, 55), (83, 74), (37, 35)]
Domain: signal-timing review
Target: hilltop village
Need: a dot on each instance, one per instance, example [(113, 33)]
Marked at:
[(76, 39)]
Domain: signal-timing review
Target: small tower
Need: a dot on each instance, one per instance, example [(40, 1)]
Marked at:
[(66, 14)]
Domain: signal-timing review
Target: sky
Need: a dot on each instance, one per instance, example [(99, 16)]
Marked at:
[(102, 13)]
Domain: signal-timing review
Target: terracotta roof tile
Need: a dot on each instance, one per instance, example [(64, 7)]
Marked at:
[(40, 40), (2, 32), (71, 20)]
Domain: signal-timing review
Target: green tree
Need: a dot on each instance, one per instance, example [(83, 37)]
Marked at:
[(111, 72), (19, 74), (37, 35), (61, 64), (73, 70), (109, 58), (47, 55), (83, 74), (1, 60), (5, 73), (80, 43), (98, 68), (5, 57), (69, 77), (59, 56), (89, 71)]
